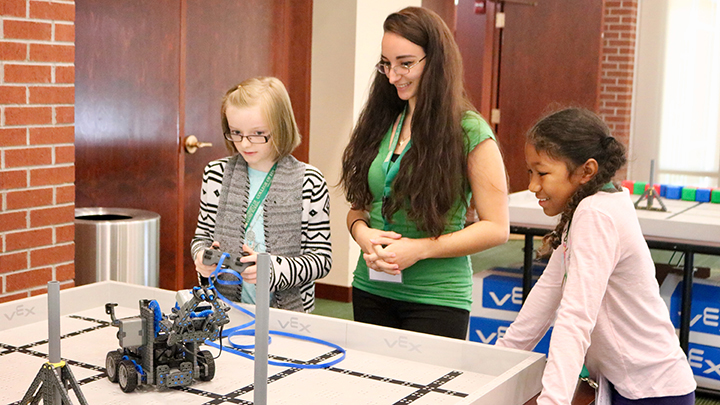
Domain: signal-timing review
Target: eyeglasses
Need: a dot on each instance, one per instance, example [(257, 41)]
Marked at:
[(401, 70), (236, 136)]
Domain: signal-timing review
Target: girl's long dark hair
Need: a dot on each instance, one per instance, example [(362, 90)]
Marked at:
[(573, 136), (433, 172)]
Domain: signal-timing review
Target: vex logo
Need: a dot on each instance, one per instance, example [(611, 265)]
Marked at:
[(491, 337), (403, 343), (294, 323), (489, 330), (705, 313), (703, 360), (502, 292), (20, 312)]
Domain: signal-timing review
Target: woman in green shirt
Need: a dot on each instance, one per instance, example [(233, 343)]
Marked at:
[(418, 155)]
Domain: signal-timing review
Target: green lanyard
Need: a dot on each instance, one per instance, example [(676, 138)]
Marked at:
[(259, 197), (391, 167)]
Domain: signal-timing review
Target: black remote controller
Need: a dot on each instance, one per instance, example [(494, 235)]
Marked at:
[(211, 257)]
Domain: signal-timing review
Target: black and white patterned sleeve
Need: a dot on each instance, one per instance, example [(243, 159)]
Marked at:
[(209, 198), (315, 260)]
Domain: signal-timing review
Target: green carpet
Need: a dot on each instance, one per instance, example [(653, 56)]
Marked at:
[(511, 255)]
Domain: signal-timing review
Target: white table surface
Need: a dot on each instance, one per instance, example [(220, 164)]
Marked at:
[(383, 365), (685, 221)]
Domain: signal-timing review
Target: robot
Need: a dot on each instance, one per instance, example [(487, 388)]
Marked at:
[(163, 350)]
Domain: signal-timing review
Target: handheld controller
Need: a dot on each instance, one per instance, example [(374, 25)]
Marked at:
[(211, 257)]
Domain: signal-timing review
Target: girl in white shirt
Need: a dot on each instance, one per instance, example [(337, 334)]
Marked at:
[(599, 286)]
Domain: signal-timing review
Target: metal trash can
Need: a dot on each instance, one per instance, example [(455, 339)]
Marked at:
[(120, 244)]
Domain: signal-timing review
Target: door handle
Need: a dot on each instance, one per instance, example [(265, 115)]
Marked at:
[(192, 144)]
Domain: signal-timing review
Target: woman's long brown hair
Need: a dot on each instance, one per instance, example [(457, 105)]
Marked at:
[(433, 172)]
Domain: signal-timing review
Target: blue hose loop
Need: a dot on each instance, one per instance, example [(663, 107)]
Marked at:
[(243, 330), (157, 315)]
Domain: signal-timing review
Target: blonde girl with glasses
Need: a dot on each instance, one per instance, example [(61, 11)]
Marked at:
[(262, 199), (419, 154)]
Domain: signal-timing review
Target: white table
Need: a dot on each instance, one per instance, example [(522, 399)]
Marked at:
[(687, 226), (383, 365)]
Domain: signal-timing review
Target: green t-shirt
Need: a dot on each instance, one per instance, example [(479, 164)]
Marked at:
[(445, 282)]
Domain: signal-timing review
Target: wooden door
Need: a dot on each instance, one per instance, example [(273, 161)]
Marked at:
[(150, 72), (546, 56), (479, 43), (126, 111), (550, 58), (228, 42)]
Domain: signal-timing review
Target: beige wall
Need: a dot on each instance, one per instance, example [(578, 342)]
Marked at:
[(346, 46)]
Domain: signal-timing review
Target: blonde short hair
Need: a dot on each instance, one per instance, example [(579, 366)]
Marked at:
[(273, 98)]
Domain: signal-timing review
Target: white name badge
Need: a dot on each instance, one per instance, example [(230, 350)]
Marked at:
[(382, 276)]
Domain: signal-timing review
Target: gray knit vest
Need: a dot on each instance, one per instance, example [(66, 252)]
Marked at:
[(282, 210)]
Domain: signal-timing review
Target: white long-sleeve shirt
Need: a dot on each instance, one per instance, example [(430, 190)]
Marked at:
[(600, 288)]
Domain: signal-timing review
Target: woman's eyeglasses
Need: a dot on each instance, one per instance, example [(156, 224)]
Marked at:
[(401, 70), (237, 136)]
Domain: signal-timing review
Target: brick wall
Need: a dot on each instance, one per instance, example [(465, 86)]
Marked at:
[(37, 155), (618, 65)]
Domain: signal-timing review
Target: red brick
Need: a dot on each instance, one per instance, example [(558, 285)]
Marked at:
[(52, 94), (619, 89), (622, 43), (27, 279), (28, 115), (13, 136), (52, 53), (65, 33), (42, 289), (617, 104), (627, 97), (29, 198), (52, 216), (10, 221), (623, 11), (619, 73), (13, 51), (27, 30), (29, 239), (65, 115), (12, 95), (13, 297), (64, 74), (52, 135), (39, 291), (28, 157), (52, 11), (28, 74), (620, 58), (606, 65), (52, 255), (630, 19), (65, 272), (64, 154), (15, 8), (65, 194), (52, 176), (65, 233), (619, 27), (11, 179), (617, 119)]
